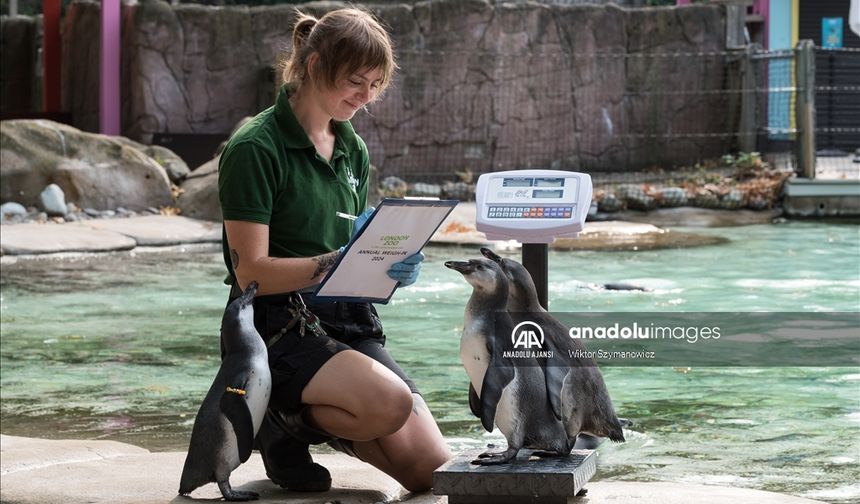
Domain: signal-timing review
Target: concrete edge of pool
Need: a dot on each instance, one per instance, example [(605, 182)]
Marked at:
[(110, 235), (85, 471)]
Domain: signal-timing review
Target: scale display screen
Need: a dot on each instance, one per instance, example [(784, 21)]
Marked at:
[(549, 182), (517, 182), (532, 206), (547, 193)]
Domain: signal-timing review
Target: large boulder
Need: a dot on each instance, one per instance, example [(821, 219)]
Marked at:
[(94, 171), (199, 195)]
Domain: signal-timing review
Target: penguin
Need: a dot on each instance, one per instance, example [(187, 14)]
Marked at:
[(576, 391), (509, 393), (234, 407), (625, 287)]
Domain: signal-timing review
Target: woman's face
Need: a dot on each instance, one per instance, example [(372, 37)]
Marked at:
[(351, 93)]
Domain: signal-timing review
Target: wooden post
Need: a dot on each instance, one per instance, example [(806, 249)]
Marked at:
[(109, 75), (51, 56), (805, 108), (747, 136)]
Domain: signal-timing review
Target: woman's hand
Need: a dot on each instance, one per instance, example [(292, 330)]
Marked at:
[(406, 271)]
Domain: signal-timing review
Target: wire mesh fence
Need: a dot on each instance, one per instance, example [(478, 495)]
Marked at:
[(837, 120), (642, 117)]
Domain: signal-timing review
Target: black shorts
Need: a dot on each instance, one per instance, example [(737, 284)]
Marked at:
[(294, 359)]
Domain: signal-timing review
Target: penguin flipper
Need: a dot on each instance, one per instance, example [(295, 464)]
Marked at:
[(497, 377), (554, 375), (235, 408), (474, 401)]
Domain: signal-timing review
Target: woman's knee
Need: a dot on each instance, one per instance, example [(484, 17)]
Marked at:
[(387, 411)]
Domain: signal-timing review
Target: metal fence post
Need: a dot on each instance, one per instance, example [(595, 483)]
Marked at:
[(747, 135), (805, 107)]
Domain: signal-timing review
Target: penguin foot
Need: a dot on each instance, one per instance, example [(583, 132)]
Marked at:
[(235, 495), (504, 457)]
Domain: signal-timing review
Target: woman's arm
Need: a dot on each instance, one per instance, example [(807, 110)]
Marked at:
[(249, 253)]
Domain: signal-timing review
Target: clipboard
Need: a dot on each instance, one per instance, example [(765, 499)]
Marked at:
[(397, 229)]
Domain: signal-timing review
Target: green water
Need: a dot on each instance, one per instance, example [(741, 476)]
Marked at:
[(124, 346)]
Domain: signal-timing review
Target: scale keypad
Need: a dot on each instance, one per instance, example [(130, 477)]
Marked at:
[(529, 212)]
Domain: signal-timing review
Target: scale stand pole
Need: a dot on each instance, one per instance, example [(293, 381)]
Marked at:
[(536, 262)]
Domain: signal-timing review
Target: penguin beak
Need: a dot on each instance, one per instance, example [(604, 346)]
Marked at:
[(463, 267), (250, 292), (489, 254)]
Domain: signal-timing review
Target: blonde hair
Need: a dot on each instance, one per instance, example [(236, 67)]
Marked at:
[(346, 41)]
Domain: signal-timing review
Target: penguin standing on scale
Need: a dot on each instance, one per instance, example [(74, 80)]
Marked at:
[(576, 390), (510, 393)]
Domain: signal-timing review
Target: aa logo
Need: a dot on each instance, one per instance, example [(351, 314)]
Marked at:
[(527, 335)]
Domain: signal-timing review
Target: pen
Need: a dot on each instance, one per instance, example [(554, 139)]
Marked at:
[(346, 216)]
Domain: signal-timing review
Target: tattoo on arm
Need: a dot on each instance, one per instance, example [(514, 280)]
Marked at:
[(324, 263), (234, 258)]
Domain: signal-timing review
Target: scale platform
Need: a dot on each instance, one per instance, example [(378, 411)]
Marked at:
[(526, 479)]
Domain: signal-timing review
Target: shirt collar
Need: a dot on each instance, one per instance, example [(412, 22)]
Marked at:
[(295, 136)]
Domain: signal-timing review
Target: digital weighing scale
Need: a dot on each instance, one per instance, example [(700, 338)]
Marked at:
[(533, 207)]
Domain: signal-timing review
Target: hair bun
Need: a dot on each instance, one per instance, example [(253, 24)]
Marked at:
[(303, 27)]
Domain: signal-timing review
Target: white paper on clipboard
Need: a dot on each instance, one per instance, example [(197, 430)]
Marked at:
[(397, 229)]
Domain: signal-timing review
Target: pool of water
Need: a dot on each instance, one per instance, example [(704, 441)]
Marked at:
[(123, 346)]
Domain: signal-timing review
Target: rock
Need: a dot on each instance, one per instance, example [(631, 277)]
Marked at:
[(92, 212), (175, 167), (634, 197), (610, 203), (95, 171), (669, 197), (31, 238), (758, 202), (53, 201), (199, 198), (460, 191), (732, 200), (619, 235), (160, 230), (206, 168), (705, 199), (426, 190), (11, 212), (394, 187)]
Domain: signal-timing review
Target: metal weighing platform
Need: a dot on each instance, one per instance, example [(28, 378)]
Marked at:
[(526, 479)]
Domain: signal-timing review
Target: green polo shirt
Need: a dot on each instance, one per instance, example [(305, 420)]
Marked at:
[(270, 173)]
